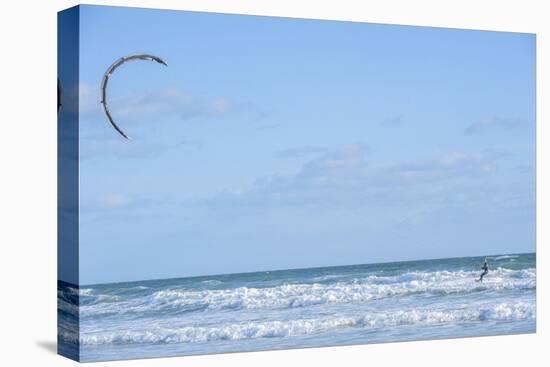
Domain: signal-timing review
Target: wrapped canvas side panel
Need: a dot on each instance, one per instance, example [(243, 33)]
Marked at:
[(67, 186)]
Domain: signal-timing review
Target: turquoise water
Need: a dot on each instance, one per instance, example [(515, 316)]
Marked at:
[(302, 308)]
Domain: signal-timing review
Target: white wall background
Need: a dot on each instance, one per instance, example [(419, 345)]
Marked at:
[(28, 181)]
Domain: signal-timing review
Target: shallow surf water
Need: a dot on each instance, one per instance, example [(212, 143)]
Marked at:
[(330, 306)]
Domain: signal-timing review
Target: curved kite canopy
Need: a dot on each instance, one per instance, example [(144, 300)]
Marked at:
[(110, 71)]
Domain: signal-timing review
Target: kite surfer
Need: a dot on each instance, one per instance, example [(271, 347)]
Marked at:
[(485, 269)]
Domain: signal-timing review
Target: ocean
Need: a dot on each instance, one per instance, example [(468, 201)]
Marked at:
[(356, 304)]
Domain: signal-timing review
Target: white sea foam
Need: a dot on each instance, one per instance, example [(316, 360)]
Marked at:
[(272, 329), (212, 282), (506, 257), (85, 291), (303, 295)]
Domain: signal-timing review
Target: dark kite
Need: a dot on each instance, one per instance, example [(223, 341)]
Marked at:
[(110, 71)]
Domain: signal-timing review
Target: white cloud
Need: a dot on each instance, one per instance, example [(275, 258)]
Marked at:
[(301, 152), (393, 121), (165, 104), (345, 178), (495, 123), (113, 201), (348, 179)]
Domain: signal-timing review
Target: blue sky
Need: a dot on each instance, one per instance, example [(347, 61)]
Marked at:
[(273, 143)]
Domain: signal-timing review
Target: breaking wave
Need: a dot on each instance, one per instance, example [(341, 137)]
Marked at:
[(296, 327), (310, 294)]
